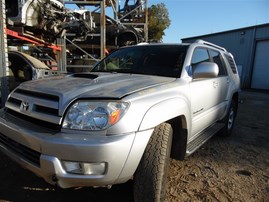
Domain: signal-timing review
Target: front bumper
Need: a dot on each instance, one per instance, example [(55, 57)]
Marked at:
[(43, 152)]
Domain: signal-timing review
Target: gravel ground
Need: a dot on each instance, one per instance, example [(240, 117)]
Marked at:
[(229, 169), (224, 169)]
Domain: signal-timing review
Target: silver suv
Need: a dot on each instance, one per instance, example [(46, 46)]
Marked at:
[(125, 118)]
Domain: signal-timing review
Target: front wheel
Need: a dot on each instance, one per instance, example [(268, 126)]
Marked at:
[(151, 174)]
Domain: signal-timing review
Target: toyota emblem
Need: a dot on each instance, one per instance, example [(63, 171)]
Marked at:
[(25, 106)]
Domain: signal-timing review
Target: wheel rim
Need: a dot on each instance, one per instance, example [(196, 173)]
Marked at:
[(231, 119)]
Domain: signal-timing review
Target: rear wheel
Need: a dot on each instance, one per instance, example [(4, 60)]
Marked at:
[(229, 120), (150, 179)]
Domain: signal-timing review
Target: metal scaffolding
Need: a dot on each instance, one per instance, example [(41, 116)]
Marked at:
[(4, 73), (102, 46), (136, 15)]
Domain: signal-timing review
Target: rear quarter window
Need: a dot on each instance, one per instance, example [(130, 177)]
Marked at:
[(231, 63)]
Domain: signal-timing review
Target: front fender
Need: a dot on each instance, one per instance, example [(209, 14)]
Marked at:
[(164, 111)]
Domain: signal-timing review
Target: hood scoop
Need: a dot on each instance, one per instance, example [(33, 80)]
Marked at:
[(84, 75)]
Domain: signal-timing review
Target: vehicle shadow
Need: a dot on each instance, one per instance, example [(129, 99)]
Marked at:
[(18, 184)]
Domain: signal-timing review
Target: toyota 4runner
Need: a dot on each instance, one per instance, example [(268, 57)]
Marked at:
[(125, 118)]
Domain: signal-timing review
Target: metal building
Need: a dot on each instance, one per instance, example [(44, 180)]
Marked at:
[(250, 47)]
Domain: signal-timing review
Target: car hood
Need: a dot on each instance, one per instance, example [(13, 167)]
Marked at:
[(94, 85)]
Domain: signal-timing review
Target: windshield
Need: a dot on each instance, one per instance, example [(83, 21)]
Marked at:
[(159, 60)]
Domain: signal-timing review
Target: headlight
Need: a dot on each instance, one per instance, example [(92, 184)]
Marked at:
[(86, 115)]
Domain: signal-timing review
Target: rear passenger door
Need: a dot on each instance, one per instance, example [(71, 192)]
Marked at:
[(208, 94)]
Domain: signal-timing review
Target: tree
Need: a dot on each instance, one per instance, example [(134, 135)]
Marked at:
[(158, 21)]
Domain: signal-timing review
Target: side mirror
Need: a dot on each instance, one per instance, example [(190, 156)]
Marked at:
[(205, 70)]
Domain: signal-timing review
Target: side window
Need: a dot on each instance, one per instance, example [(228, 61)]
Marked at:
[(216, 57), (231, 63), (199, 55)]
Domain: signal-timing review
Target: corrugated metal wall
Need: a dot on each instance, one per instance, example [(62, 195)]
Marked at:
[(260, 72), (241, 43)]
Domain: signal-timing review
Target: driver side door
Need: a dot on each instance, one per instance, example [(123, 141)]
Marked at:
[(206, 95)]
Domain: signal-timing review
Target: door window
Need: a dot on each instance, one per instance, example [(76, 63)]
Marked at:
[(199, 55), (217, 58)]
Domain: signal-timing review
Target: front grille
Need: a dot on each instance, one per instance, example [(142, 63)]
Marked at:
[(35, 107), (15, 101), (38, 122), (46, 110), (19, 149), (43, 96)]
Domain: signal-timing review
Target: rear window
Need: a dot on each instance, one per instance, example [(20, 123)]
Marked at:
[(159, 60)]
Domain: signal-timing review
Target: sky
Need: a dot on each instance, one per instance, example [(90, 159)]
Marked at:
[(199, 17)]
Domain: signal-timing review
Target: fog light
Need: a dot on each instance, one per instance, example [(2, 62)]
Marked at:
[(84, 168)]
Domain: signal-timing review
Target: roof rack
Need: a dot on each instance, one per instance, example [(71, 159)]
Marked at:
[(210, 44)]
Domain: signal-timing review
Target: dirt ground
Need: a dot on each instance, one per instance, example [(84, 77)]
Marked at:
[(230, 169)]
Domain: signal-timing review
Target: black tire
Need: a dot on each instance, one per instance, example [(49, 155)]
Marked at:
[(229, 120), (150, 179), (127, 40)]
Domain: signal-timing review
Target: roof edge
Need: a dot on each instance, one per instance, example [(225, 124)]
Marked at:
[(227, 31)]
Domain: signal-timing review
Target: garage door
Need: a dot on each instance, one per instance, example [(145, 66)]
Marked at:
[(260, 76)]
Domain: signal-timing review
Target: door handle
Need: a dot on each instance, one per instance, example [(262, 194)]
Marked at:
[(215, 84)]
